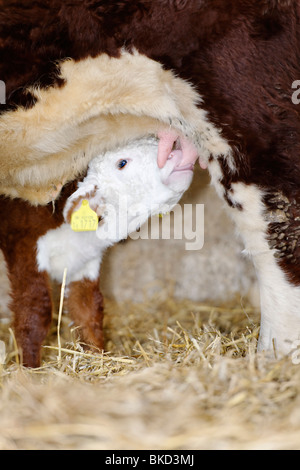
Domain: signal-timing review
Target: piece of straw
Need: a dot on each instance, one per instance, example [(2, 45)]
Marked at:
[(62, 293)]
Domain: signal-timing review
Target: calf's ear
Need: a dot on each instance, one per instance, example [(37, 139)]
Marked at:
[(88, 193)]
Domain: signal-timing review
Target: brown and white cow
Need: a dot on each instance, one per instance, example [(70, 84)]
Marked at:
[(84, 76)]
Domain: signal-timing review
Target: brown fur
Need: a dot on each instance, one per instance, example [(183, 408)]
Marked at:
[(85, 306)]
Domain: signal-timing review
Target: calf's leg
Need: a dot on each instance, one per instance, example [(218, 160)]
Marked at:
[(269, 222), (85, 305), (30, 303)]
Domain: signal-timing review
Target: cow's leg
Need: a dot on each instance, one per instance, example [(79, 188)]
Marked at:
[(30, 302), (85, 305), (283, 238), (269, 223)]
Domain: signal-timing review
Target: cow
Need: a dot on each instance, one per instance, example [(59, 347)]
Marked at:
[(213, 77)]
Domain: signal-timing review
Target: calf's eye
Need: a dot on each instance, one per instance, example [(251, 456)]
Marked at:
[(121, 164)]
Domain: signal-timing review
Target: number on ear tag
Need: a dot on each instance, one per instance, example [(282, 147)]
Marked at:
[(85, 219)]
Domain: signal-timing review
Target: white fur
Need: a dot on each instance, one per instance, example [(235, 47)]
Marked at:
[(125, 199), (62, 248), (280, 300)]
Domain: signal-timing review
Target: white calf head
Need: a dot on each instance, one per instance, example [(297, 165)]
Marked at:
[(126, 186)]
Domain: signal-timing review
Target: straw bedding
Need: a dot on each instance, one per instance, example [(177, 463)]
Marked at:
[(177, 375)]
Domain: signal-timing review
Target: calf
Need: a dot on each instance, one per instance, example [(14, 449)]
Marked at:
[(123, 188), (218, 72)]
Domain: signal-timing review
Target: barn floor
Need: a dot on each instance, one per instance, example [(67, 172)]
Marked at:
[(178, 375)]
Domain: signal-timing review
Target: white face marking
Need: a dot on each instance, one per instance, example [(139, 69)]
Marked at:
[(128, 186), (125, 187)]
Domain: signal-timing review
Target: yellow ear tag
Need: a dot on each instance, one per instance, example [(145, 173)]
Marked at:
[(85, 219)]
